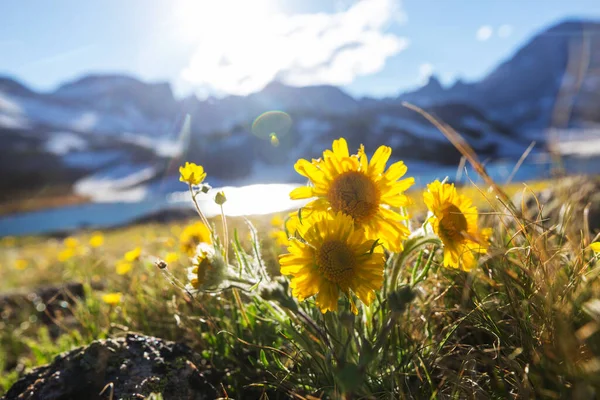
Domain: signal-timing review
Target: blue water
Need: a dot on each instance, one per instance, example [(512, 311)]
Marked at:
[(254, 199)]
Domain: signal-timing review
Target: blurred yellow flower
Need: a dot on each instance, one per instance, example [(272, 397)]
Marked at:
[(192, 173), (123, 267), (284, 228), (133, 255), (277, 221), (96, 240), (280, 237), (21, 264), (192, 236), (360, 189), (454, 220), (112, 298), (66, 254), (334, 257), (595, 247), (171, 257), (71, 242)]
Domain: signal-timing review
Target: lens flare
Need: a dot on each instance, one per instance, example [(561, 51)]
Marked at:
[(274, 140), (272, 125)]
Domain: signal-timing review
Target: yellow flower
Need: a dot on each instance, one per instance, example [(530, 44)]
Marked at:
[(171, 257), (123, 267), (289, 228), (96, 240), (208, 270), (333, 257), (112, 298), (280, 237), (71, 242), (192, 173), (454, 220), (133, 255), (277, 221), (21, 264), (192, 236), (360, 189), (66, 254), (595, 247)]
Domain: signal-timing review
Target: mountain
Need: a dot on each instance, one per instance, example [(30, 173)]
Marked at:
[(103, 127), (553, 81)]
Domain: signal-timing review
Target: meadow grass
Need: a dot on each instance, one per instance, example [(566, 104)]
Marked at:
[(523, 324)]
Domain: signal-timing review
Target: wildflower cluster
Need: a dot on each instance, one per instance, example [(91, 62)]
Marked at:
[(360, 208), (347, 244), (337, 243)]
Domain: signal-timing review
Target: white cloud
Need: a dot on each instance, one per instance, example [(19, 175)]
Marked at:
[(505, 31), (240, 52), (484, 33), (425, 71)]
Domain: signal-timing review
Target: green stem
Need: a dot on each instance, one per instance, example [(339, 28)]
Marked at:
[(411, 245), (198, 210), (423, 274), (225, 235)]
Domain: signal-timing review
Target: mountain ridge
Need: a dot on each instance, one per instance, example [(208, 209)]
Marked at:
[(97, 121)]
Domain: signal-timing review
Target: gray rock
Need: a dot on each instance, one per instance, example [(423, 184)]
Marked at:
[(135, 365)]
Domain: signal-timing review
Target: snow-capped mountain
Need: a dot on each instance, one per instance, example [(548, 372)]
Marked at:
[(94, 124), (553, 81)]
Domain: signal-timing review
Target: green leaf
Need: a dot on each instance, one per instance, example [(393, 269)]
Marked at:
[(263, 358)]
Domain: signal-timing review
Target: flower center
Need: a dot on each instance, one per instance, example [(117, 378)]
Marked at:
[(335, 260), (354, 194), (453, 224)]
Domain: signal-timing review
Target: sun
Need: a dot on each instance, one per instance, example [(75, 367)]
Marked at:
[(222, 21), (238, 45)]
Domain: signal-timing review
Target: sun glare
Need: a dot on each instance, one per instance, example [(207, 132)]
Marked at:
[(234, 33)]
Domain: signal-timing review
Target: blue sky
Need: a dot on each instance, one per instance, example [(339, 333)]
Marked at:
[(370, 48)]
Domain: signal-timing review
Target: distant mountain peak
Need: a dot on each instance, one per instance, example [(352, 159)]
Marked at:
[(433, 83), (99, 84)]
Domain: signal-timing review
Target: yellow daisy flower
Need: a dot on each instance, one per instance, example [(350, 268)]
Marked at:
[(277, 221), (283, 228), (123, 267), (71, 242), (112, 299), (66, 254), (96, 240), (360, 189), (171, 257), (192, 173), (133, 255), (595, 247), (454, 220), (192, 236), (21, 264), (333, 257)]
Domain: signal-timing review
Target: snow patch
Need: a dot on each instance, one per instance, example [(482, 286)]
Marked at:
[(13, 122), (85, 122), (61, 143), (122, 183)]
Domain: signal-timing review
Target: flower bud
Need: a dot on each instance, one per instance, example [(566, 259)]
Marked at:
[(220, 198)]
